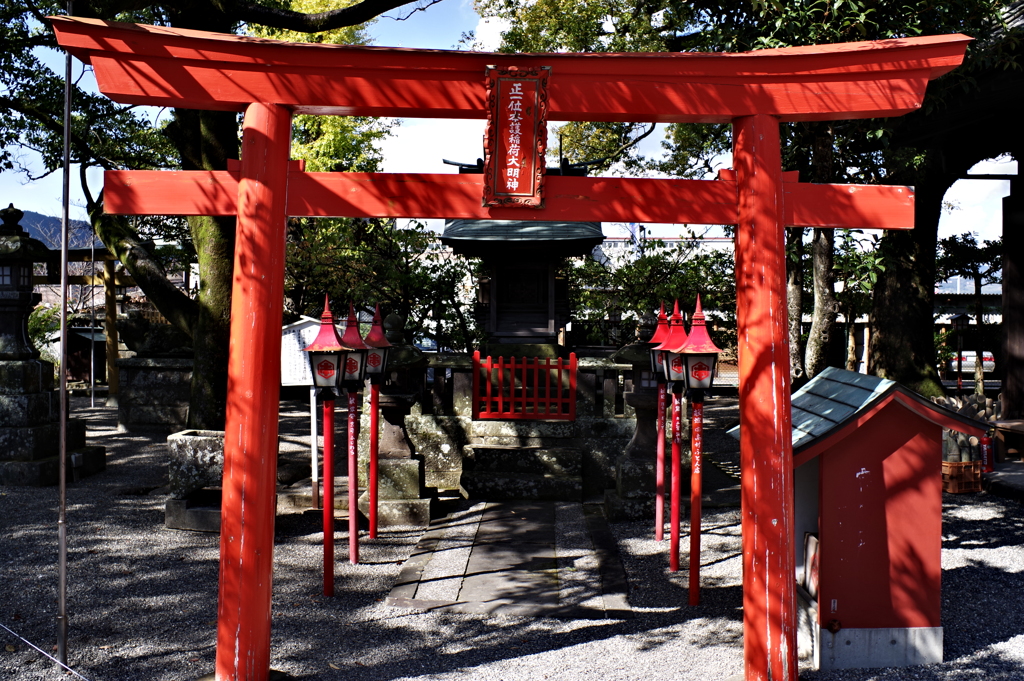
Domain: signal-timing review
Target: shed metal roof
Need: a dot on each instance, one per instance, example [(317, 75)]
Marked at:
[(836, 397)]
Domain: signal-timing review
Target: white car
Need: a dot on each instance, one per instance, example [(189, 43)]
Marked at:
[(967, 359)]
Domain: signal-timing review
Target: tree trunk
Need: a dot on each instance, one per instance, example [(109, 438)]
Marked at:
[(851, 342), (206, 140), (902, 345), (795, 302), (825, 306), (823, 318)]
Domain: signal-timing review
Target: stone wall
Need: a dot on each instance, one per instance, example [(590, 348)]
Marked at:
[(441, 428), (154, 393)]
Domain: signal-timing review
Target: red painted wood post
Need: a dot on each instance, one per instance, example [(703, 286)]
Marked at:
[(353, 477), (374, 447), (766, 447), (329, 497), (659, 473), (696, 456), (677, 443), (254, 378)]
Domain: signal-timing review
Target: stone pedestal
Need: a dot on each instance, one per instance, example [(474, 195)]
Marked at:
[(636, 470), (30, 429), (196, 468), (401, 489)]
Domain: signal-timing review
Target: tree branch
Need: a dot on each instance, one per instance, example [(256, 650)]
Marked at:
[(289, 20)]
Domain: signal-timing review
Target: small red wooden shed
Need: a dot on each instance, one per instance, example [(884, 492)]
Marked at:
[(868, 516)]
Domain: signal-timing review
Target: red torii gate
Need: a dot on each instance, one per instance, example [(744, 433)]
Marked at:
[(270, 81)]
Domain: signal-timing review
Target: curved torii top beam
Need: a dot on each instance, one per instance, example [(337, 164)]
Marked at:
[(163, 66)]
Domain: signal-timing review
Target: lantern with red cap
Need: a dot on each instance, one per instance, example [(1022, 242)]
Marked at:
[(326, 353), (377, 350), (354, 369), (674, 366), (699, 353), (659, 337)]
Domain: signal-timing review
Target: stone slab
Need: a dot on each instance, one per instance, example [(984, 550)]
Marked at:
[(397, 512), (540, 460), (29, 443), (29, 409), (511, 576), (504, 486), (21, 377), (396, 478), (81, 462), (200, 512)]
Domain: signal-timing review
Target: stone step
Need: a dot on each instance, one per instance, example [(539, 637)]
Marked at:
[(502, 486), (81, 462), (559, 461)]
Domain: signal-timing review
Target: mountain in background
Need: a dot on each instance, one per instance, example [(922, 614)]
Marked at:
[(46, 228)]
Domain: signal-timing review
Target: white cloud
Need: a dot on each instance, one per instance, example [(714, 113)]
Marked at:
[(488, 33)]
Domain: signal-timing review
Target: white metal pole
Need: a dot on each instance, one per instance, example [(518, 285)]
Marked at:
[(313, 449), (62, 535)]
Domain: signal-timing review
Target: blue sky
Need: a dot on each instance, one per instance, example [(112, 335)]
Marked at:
[(419, 145)]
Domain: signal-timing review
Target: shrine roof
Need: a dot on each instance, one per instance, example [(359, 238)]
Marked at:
[(474, 236), (837, 399), (164, 66)]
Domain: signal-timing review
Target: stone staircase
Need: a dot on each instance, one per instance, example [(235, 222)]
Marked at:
[(509, 472)]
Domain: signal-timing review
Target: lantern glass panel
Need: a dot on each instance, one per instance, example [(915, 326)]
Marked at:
[(658, 362), (355, 364), (700, 370), (325, 368), (376, 361), (675, 367)]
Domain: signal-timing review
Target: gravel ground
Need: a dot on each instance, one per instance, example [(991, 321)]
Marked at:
[(142, 599)]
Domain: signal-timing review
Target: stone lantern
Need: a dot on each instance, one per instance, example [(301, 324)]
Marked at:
[(18, 254), (29, 406), (634, 493)]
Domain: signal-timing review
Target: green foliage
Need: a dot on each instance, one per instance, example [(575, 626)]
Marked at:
[(659, 273), (944, 350), (42, 323), (857, 265), (961, 255), (367, 262)]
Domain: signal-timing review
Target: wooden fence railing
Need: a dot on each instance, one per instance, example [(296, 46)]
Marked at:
[(524, 388)]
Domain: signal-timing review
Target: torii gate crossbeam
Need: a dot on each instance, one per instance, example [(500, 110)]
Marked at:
[(271, 81)]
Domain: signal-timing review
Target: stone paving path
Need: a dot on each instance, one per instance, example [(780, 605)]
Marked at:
[(555, 559)]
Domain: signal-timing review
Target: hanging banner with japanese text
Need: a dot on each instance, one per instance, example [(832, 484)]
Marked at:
[(516, 136)]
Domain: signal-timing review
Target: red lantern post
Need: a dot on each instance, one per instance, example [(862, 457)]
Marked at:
[(701, 357), (376, 368), (326, 354), (354, 371), (658, 368), (675, 374)]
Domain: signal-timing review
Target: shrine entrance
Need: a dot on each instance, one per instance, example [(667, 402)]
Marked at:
[(271, 81)]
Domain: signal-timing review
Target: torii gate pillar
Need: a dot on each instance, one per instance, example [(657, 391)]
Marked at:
[(769, 592), (254, 377)]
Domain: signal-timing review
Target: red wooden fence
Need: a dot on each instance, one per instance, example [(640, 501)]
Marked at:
[(524, 388)]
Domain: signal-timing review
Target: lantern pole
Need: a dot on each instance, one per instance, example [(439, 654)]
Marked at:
[(328, 494), (677, 444), (675, 374), (696, 455), (659, 473), (326, 358), (701, 357), (354, 370), (657, 367), (376, 368)]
